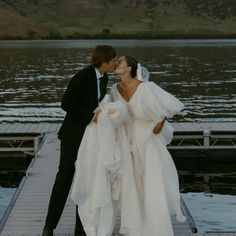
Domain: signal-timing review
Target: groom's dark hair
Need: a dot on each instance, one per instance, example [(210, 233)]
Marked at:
[(133, 63), (102, 53)]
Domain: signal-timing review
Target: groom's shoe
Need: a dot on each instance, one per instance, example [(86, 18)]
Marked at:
[(47, 231), (79, 233)]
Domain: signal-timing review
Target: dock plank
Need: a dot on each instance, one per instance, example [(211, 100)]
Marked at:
[(4, 127), (34, 213)]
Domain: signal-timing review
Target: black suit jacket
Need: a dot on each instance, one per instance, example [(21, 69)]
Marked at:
[(79, 102)]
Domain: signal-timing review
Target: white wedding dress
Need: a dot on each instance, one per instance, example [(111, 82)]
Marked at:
[(154, 170), (122, 163), (104, 175)]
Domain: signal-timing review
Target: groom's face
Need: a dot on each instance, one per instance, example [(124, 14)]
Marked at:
[(109, 66)]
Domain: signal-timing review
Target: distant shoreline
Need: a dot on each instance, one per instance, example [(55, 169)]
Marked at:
[(130, 43), (119, 36)]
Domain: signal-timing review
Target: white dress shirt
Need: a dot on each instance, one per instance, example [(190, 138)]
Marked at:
[(99, 75)]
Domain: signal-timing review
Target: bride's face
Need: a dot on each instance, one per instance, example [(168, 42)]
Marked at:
[(122, 67)]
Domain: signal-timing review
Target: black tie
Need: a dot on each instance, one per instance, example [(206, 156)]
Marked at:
[(100, 87)]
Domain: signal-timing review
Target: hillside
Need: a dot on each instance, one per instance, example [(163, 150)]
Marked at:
[(15, 25), (117, 18)]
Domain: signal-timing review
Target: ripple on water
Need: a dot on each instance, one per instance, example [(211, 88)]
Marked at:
[(202, 77)]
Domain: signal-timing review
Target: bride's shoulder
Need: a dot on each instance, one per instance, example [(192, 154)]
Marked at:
[(153, 88), (149, 85), (152, 85)]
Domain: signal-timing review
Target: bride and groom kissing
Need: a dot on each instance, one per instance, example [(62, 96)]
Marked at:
[(113, 149)]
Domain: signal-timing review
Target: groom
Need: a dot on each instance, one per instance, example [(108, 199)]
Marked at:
[(82, 96)]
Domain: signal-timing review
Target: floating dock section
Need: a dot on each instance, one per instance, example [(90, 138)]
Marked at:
[(27, 211)]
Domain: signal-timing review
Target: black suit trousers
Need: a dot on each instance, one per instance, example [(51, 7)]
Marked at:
[(63, 182)]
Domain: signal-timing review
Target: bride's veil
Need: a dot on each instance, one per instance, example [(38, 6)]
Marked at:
[(142, 73)]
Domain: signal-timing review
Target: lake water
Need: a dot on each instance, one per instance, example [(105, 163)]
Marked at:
[(212, 212), (6, 195), (201, 73)]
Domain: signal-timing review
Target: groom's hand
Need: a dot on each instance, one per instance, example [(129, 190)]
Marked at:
[(95, 118)]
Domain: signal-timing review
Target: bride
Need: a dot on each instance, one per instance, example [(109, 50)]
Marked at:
[(141, 178), (148, 133)]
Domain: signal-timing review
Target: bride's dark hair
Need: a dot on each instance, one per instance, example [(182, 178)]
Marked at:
[(133, 63)]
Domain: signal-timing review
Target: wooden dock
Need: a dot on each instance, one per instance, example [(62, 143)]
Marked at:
[(27, 212)]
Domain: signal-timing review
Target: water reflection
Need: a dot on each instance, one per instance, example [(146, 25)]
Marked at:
[(212, 212), (33, 80), (6, 195)]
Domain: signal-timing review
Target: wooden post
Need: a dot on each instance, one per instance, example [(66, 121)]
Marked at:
[(206, 136), (36, 144)]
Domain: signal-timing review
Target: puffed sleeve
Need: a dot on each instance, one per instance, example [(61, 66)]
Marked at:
[(168, 103), (159, 104)]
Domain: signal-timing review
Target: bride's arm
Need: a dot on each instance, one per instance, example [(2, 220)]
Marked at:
[(158, 127)]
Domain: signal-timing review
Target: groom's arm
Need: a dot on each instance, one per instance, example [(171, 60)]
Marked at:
[(71, 101)]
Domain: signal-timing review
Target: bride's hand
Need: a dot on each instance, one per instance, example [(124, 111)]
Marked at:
[(157, 129), (95, 118)]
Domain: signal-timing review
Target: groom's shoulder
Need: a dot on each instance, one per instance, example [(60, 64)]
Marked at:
[(87, 71)]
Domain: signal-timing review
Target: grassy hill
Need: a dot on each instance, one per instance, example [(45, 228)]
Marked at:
[(117, 18), (16, 26)]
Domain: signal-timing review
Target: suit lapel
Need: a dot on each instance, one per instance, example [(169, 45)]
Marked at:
[(94, 83), (103, 86)]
